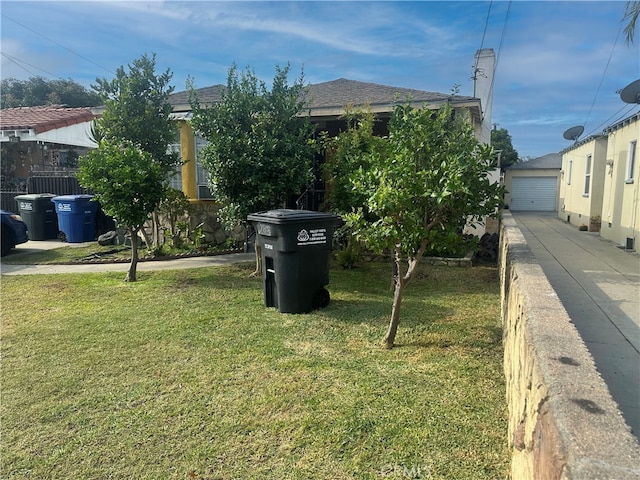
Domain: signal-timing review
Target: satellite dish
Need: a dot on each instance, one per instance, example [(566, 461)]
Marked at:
[(573, 133), (631, 93)]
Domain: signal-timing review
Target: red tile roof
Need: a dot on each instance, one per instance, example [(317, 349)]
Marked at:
[(43, 119)]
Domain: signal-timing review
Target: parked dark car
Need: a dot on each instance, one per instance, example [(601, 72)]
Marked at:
[(14, 231)]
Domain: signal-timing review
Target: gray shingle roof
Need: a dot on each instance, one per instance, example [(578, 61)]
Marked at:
[(341, 92), (336, 94), (548, 161), (206, 96)]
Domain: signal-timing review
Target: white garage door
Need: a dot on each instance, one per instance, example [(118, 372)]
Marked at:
[(534, 193)]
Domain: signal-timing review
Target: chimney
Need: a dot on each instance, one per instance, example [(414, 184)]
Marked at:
[(484, 68)]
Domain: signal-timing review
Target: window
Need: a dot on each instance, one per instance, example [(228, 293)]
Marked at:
[(631, 161), (569, 172), (175, 180), (587, 176), (202, 176)]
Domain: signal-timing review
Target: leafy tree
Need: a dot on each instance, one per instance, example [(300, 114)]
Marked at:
[(137, 109), (130, 169), (501, 142), (348, 152), (631, 13), (431, 177), (175, 206), (128, 183), (259, 152), (39, 91)]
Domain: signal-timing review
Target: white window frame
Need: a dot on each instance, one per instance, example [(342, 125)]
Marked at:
[(175, 181), (202, 176), (631, 160), (587, 175)]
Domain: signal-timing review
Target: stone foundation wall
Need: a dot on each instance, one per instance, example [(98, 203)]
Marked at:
[(206, 212), (563, 423)]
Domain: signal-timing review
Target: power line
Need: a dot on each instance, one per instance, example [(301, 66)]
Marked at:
[(22, 67), (504, 32), (20, 62), (615, 118), (474, 77), (58, 44), (602, 78)]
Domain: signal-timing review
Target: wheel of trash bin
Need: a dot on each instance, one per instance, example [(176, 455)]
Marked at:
[(321, 298)]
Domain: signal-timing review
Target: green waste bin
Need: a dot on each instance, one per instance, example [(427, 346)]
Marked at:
[(39, 213), (295, 249)]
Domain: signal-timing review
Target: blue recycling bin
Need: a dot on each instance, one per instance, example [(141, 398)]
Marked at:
[(76, 217)]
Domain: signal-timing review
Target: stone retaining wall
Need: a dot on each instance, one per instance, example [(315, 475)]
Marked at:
[(563, 423)]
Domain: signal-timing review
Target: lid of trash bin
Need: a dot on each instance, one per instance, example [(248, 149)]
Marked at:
[(285, 215), (35, 196), (72, 198)]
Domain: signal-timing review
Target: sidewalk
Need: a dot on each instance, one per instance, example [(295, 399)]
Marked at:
[(599, 286), (175, 264)]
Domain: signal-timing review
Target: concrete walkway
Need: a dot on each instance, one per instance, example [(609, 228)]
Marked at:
[(599, 286), (175, 264)]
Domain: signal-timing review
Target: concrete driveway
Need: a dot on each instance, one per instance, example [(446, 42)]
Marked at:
[(599, 286)]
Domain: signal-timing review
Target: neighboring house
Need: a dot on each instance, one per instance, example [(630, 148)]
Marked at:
[(533, 185), (621, 192), (582, 182), (43, 140), (326, 104), (599, 187)]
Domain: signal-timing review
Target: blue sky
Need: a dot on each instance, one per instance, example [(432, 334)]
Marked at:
[(559, 63)]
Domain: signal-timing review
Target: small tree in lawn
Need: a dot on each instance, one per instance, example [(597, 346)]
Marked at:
[(137, 110), (431, 178), (259, 153), (129, 185)]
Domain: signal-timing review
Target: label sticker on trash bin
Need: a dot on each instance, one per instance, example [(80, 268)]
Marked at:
[(26, 206), (315, 236), (64, 207), (264, 230)]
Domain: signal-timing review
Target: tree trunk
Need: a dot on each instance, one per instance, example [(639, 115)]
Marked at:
[(156, 229), (399, 284), (258, 272), (131, 274), (145, 235)]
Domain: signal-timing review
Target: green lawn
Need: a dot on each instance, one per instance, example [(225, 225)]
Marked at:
[(186, 375)]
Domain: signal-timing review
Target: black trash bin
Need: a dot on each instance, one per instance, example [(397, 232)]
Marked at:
[(295, 247), (39, 213)]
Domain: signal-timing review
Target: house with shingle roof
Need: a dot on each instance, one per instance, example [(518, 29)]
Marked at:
[(325, 105), (42, 139)]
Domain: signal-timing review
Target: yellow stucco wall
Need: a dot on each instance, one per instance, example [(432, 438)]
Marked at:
[(621, 204), (188, 155), (574, 205)]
